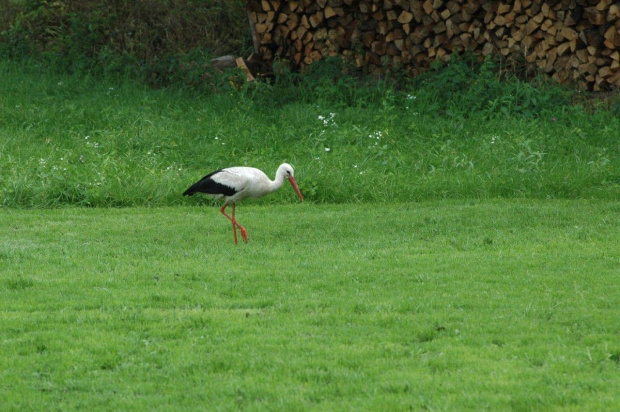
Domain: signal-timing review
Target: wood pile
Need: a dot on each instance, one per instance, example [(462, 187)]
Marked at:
[(573, 41)]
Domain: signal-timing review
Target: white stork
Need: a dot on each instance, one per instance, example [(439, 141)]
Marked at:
[(237, 183)]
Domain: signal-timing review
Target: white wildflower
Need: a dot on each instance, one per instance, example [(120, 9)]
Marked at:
[(328, 121)]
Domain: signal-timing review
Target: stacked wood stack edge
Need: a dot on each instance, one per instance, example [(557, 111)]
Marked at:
[(572, 41)]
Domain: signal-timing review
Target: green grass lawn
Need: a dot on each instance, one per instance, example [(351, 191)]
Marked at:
[(458, 250), (451, 305)]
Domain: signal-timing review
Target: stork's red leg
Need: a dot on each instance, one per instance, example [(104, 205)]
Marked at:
[(231, 218), (244, 233)]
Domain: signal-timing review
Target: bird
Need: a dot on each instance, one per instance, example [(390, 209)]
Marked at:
[(234, 184)]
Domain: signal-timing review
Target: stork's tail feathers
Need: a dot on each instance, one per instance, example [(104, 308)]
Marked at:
[(190, 191), (209, 186), (198, 186)]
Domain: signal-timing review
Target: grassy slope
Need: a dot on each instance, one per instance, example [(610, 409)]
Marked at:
[(446, 306)]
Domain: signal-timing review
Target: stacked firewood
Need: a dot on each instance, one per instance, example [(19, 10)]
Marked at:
[(574, 41)]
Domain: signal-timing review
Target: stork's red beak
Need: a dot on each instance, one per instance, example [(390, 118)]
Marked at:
[(294, 184)]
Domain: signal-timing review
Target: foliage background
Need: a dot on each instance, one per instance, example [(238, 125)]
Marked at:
[(149, 36)]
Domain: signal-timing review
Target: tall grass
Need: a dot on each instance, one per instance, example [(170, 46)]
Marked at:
[(458, 132)]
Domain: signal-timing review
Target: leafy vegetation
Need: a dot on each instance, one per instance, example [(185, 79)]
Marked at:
[(157, 41)]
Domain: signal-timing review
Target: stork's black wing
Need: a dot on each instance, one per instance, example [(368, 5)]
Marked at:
[(209, 186)]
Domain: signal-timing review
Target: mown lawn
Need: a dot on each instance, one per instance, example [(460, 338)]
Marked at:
[(446, 305)]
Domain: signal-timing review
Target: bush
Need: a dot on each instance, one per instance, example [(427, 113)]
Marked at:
[(466, 87), (78, 35)]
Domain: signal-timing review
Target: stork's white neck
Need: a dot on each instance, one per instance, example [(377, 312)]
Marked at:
[(279, 180)]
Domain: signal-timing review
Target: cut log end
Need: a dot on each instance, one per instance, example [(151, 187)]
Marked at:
[(563, 39)]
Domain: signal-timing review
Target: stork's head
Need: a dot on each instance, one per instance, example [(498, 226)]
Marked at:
[(286, 171)]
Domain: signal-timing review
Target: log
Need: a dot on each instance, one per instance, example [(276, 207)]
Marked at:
[(569, 40), (224, 62)]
